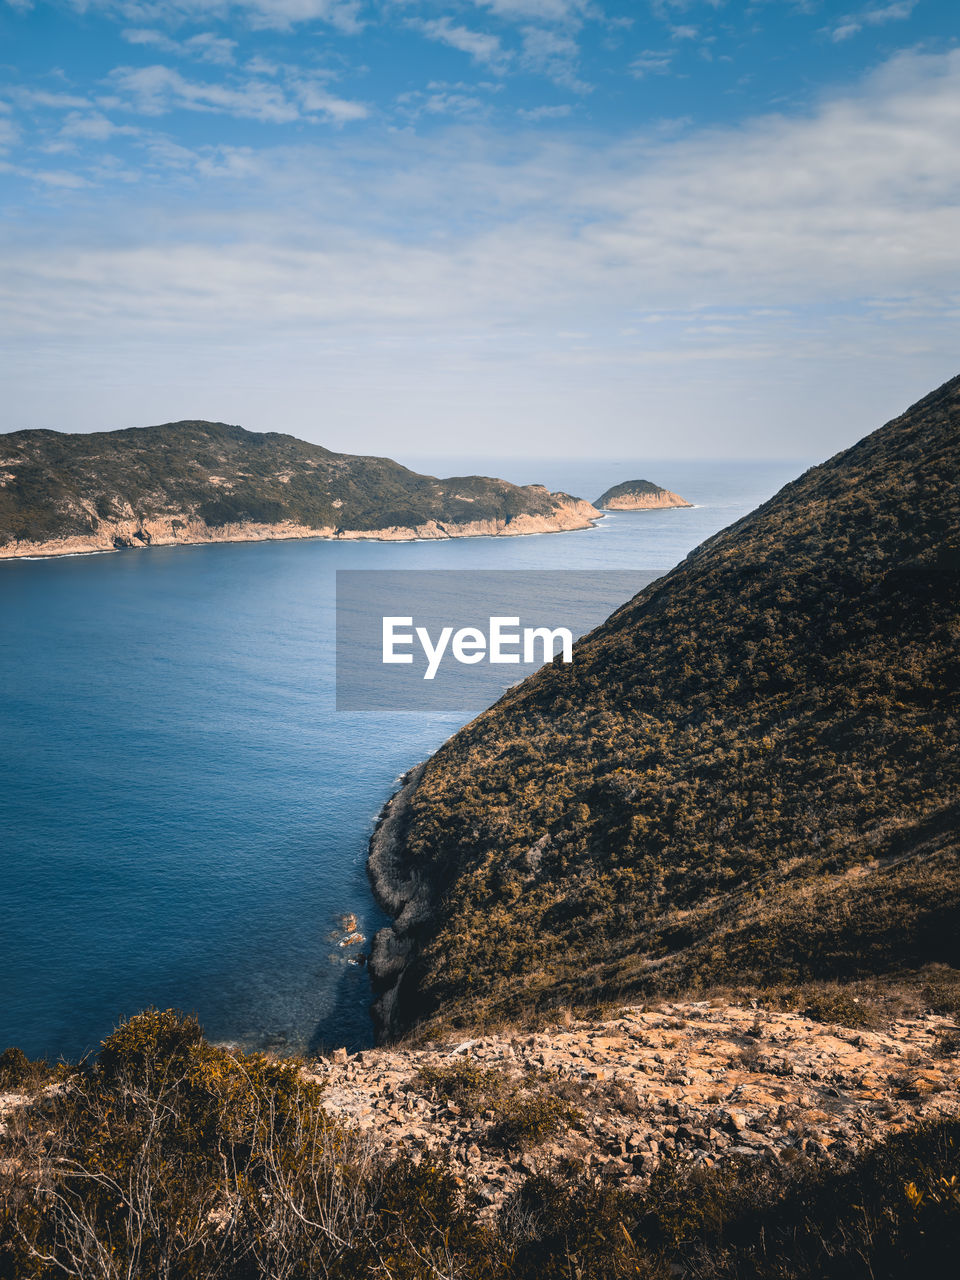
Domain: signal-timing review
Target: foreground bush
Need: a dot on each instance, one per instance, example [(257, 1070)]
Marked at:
[(173, 1159)]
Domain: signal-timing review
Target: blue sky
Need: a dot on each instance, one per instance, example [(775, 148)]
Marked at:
[(671, 227)]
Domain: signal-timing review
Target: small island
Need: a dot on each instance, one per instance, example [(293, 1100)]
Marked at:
[(639, 495)]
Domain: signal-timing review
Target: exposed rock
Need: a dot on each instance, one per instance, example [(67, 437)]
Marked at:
[(629, 1116)]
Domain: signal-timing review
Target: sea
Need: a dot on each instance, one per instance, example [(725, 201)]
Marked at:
[(184, 813)]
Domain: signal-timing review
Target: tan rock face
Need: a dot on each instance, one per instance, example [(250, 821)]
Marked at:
[(113, 535), (689, 1081), (644, 497)]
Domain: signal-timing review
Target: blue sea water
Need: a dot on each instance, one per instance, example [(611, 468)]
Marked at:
[(183, 812)]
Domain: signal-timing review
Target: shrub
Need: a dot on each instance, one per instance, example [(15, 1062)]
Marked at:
[(529, 1119), (838, 1005), (465, 1083), (942, 993), (154, 1039), (16, 1069)]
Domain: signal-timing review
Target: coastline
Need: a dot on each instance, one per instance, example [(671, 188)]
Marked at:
[(567, 517), (402, 892)]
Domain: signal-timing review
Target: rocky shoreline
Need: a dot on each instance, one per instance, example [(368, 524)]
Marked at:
[(569, 514), (402, 892)]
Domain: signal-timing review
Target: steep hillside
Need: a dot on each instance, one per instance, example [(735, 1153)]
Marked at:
[(751, 770), (205, 481)]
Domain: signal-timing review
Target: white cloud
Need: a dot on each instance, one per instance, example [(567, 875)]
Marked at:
[(93, 127), (545, 113), (652, 62), (9, 133), (875, 16), (480, 45), (53, 101), (158, 90), (443, 100), (317, 100), (567, 12), (553, 54), (279, 15), (206, 47), (64, 179)]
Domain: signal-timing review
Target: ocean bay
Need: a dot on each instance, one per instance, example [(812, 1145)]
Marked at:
[(184, 813)]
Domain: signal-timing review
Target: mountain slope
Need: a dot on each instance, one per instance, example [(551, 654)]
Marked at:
[(750, 771), (206, 481)]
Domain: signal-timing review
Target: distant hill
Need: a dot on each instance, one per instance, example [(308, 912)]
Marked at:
[(206, 481), (750, 772), (639, 495)]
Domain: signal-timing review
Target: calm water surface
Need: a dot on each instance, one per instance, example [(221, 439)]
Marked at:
[(183, 814)]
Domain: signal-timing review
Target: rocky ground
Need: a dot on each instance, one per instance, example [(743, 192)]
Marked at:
[(702, 1082)]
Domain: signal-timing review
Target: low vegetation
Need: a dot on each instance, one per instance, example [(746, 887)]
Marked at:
[(170, 1158)]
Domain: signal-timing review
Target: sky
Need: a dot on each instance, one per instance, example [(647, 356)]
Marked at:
[(668, 228)]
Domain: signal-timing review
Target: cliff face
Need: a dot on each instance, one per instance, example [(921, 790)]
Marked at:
[(191, 482), (750, 772), (639, 495)]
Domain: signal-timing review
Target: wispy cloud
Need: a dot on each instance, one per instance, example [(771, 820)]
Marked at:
[(483, 47), (63, 179), (278, 15), (205, 47), (94, 126), (52, 101), (548, 11), (158, 90), (534, 114), (652, 62), (316, 99), (874, 16), (553, 54), (457, 100), (9, 133)]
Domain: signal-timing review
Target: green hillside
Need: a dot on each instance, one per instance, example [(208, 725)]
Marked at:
[(60, 485), (751, 771)]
